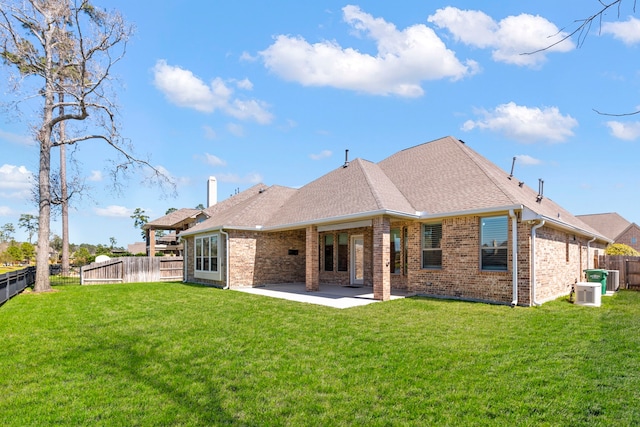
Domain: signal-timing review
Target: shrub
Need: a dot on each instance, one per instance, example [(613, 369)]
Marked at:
[(621, 249)]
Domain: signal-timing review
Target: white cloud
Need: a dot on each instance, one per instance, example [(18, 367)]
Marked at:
[(15, 182), (525, 159), (209, 133), (626, 131), (184, 89), (251, 178), (251, 109), (525, 124), (235, 129), (247, 57), (628, 31), (510, 39), (245, 84), (403, 60), (5, 211), (114, 211), (321, 155), (212, 160), (95, 176), (16, 139)]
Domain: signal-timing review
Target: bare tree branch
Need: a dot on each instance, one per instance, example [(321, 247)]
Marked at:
[(67, 48), (582, 32), (616, 115)]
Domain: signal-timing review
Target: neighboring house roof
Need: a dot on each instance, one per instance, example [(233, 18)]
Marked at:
[(612, 225), (170, 220), (435, 179), (182, 216), (137, 247)]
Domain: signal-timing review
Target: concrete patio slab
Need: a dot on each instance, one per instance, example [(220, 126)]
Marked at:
[(329, 295)]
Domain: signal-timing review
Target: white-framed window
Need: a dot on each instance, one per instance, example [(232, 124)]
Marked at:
[(396, 251), (431, 245), (494, 240), (207, 259)]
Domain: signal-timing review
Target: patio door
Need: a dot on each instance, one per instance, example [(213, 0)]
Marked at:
[(357, 260)]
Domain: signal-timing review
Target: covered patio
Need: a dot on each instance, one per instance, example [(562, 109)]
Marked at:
[(328, 295)]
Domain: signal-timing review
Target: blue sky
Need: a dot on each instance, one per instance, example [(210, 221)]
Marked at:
[(274, 92)]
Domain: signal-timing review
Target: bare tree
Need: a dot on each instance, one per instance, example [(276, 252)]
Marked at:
[(580, 29), (50, 40)]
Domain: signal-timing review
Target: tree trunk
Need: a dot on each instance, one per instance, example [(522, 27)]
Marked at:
[(44, 195), (43, 283), (64, 195)]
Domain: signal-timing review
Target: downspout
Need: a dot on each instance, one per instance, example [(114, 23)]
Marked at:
[(226, 258), (588, 247), (184, 259), (533, 261), (514, 252)]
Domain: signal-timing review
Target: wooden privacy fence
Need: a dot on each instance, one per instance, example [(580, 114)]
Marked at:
[(628, 266), (133, 269), (14, 282)]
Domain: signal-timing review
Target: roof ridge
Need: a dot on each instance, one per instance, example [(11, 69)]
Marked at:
[(372, 188), (468, 151)]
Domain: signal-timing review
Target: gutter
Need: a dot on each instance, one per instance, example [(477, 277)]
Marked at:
[(354, 217), (533, 261), (529, 215), (514, 257), (425, 215), (344, 218)]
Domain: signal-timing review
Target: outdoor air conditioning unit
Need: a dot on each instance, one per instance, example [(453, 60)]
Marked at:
[(589, 294), (613, 281)]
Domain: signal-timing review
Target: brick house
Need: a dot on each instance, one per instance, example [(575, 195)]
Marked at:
[(436, 219), (615, 227)]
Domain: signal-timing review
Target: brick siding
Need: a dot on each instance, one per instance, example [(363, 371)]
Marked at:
[(260, 258), (627, 237)]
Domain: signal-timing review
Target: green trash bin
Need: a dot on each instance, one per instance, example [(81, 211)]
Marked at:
[(598, 275)]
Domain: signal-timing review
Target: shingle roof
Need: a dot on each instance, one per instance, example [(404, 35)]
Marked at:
[(446, 176), (441, 177), (360, 187), (173, 218), (234, 199), (610, 225), (255, 209)]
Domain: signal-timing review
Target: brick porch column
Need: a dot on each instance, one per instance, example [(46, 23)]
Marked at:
[(381, 259), (312, 279)]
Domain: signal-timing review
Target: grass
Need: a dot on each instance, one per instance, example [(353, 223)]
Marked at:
[(174, 354)]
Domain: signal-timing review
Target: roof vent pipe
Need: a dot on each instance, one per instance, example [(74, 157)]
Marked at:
[(513, 164), (540, 190), (346, 158)]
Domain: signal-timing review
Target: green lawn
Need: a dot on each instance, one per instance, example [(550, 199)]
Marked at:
[(173, 354), (6, 269)]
